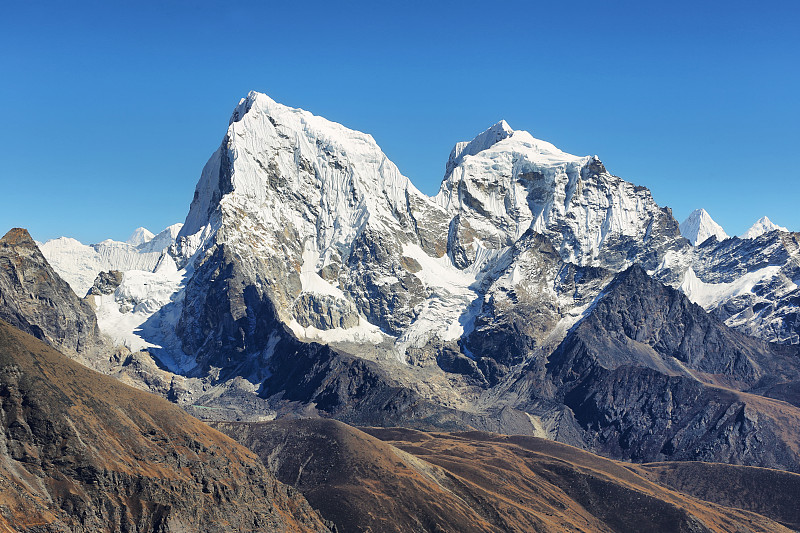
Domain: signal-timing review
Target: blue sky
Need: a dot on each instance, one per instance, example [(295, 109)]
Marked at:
[(109, 109)]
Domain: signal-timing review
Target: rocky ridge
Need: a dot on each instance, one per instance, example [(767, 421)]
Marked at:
[(35, 299)]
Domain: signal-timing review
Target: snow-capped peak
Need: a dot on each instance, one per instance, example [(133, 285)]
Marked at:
[(699, 226), (484, 140), (287, 168), (140, 236), (762, 226)]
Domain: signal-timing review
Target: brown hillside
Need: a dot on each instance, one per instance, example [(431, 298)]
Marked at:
[(80, 451), (382, 480)]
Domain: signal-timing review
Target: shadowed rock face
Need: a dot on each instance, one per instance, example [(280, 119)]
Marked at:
[(36, 300), (227, 319), (651, 376), (400, 480), (79, 451)]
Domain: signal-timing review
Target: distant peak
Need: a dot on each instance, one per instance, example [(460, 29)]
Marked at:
[(699, 227), (492, 135), (246, 103), (501, 128), (140, 236), (763, 225)]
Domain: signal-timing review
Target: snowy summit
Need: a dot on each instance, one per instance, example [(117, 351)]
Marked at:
[(699, 226), (762, 226), (140, 236)]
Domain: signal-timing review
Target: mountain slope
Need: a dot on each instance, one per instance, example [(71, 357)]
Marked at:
[(312, 277), (393, 479), (770, 493), (650, 376), (80, 451), (36, 300)]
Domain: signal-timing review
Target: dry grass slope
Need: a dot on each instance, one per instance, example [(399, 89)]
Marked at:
[(80, 451), (393, 480)]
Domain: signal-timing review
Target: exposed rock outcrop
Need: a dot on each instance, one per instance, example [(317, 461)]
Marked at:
[(35, 299), (106, 283)]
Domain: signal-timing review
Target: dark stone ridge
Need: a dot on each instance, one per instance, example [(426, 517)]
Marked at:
[(36, 300), (650, 376)]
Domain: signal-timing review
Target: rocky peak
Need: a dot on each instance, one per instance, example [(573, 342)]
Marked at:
[(331, 178), (316, 218), (522, 183), (36, 300), (481, 142), (18, 238)]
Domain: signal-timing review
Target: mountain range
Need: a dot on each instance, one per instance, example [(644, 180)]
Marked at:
[(535, 294), (306, 255)]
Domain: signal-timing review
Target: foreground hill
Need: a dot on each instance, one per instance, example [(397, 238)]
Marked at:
[(80, 451), (379, 479)]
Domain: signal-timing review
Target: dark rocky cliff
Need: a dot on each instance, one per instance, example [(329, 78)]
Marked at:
[(36, 300), (651, 376)]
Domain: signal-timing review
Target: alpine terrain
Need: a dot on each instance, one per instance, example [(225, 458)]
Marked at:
[(535, 294)]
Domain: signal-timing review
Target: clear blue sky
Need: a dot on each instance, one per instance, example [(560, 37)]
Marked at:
[(110, 109)]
